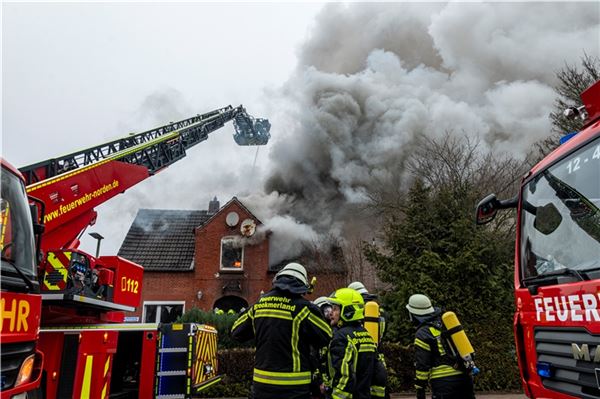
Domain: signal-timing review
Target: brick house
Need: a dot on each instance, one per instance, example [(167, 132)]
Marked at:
[(215, 258)]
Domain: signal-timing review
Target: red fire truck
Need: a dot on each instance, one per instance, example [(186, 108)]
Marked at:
[(20, 300), (557, 264), (84, 349)]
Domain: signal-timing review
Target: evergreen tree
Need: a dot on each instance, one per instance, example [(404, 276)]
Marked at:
[(434, 247)]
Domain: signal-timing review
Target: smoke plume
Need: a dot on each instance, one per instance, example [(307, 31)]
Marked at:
[(371, 79)]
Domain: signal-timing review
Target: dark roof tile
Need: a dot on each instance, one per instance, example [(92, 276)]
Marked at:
[(163, 240)]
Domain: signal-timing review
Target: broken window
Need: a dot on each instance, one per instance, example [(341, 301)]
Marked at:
[(232, 254)]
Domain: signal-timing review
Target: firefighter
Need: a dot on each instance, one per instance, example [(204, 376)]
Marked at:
[(379, 383), (434, 362), (321, 384), (285, 326), (324, 306), (352, 352), (362, 290)]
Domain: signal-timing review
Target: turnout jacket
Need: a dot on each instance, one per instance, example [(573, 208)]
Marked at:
[(285, 327), (433, 361), (352, 358)]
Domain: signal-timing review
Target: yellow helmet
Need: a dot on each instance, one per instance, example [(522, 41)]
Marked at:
[(351, 303)]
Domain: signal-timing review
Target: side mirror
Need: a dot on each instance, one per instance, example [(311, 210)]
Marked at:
[(488, 207), (38, 210), (38, 228)]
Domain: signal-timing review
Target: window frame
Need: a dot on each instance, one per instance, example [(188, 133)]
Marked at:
[(159, 305), (230, 269)]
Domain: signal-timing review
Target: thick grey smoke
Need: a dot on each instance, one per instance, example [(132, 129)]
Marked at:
[(373, 78)]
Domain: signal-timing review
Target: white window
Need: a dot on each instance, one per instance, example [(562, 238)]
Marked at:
[(232, 254), (162, 312)]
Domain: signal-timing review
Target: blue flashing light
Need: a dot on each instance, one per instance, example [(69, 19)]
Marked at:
[(567, 137), (545, 369)]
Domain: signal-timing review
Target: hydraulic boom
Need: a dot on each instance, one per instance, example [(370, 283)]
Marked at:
[(73, 185)]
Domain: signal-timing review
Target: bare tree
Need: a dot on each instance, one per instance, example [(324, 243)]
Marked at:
[(572, 81)]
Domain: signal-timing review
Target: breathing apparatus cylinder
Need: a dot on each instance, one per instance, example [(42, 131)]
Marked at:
[(372, 320), (457, 334), (459, 340)]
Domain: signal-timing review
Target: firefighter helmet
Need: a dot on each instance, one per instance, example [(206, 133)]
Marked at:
[(320, 301), (419, 304), (359, 287), (295, 270), (351, 303)]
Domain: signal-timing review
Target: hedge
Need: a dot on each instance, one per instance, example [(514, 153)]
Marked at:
[(222, 322)]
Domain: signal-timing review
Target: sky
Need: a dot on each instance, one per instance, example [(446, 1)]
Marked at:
[(348, 89)]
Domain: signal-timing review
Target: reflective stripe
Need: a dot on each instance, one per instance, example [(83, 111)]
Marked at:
[(296, 337), (444, 371), (106, 381), (239, 321), (58, 269), (337, 394), (377, 391), (422, 344), (317, 321), (367, 348), (86, 384), (278, 314), (422, 375), (281, 378), (345, 367), (436, 334)]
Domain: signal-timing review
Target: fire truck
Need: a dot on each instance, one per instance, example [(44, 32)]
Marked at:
[(20, 301), (78, 301), (557, 263)]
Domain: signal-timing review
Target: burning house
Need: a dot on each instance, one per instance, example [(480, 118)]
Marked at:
[(215, 258)]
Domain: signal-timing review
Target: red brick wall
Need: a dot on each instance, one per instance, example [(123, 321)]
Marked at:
[(207, 276), (210, 279)]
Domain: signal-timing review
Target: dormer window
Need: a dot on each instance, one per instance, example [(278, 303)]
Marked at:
[(232, 254)]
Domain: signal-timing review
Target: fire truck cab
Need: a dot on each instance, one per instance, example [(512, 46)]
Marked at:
[(20, 300), (557, 264)]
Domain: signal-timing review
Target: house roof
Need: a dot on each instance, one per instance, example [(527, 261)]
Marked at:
[(163, 240)]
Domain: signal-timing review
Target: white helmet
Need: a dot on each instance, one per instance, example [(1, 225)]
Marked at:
[(358, 287), (295, 270), (320, 301), (419, 305)]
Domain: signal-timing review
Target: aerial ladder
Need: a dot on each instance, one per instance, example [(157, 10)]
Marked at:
[(73, 185), (84, 297), (111, 168)]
